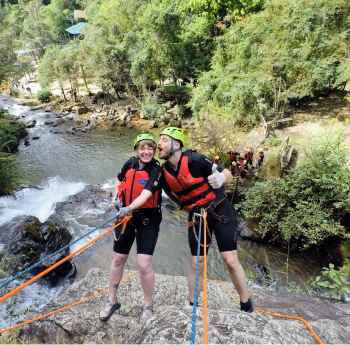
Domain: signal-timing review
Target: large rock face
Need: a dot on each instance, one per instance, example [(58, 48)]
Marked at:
[(171, 323)]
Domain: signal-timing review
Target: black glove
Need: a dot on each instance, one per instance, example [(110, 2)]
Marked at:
[(118, 204), (123, 212)]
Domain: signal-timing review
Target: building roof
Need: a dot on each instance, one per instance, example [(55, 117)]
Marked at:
[(79, 14), (75, 29)]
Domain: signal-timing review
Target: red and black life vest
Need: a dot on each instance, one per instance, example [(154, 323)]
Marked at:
[(132, 186), (233, 155), (192, 191), (216, 161), (249, 156), (233, 169), (240, 160), (243, 168)]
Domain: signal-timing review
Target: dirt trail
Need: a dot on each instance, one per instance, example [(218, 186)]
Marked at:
[(310, 119)]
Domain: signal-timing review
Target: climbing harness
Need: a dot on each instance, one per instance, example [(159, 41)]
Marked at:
[(53, 254), (30, 281), (123, 229)]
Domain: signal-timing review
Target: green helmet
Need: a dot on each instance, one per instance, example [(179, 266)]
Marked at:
[(175, 133), (144, 136)]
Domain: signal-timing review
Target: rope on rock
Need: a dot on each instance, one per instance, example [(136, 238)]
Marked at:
[(14, 291), (194, 311), (205, 301), (64, 308), (278, 315), (51, 255)]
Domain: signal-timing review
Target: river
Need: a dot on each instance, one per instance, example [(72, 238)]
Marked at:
[(69, 162)]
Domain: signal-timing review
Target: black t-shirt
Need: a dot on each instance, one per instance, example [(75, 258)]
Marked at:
[(200, 166), (154, 170)]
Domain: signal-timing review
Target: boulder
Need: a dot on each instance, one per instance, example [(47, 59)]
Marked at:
[(175, 123), (171, 323), (31, 124), (82, 110), (174, 110)]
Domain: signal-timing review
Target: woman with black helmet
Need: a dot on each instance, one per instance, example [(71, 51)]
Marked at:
[(138, 190)]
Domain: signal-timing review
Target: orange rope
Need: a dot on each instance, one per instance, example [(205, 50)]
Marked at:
[(64, 308), (19, 288), (278, 315), (205, 302)]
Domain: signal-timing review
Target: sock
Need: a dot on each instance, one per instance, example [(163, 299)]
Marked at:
[(248, 306)]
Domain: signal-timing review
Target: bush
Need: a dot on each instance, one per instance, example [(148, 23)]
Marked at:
[(10, 135), (271, 142), (44, 96), (150, 107), (311, 204)]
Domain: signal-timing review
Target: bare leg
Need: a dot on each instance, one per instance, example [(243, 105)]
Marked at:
[(115, 275), (237, 274), (146, 277), (192, 277)]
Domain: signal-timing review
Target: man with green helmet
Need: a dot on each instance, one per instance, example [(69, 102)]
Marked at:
[(195, 182), (138, 190)]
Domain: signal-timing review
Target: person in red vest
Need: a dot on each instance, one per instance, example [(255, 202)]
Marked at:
[(233, 155), (249, 157), (233, 169), (240, 160), (243, 169), (138, 190), (261, 156), (216, 159), (195, 182)]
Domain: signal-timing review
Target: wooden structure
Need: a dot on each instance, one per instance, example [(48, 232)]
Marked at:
[(274, 123), (284, 156)]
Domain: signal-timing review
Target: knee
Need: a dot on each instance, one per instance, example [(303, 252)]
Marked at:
[(144, 267), (232, 263), (194, 263), (118, 261)]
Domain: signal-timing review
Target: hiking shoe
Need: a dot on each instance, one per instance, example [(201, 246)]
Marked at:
[(248, 306)]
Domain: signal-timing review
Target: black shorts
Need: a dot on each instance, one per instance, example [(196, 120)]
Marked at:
[(225, 231), (145, 227), (242, 174)]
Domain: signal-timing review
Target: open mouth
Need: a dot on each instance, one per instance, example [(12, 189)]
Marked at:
[(160, 149)]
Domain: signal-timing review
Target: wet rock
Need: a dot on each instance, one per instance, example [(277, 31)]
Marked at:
[(26, 142), (48, 122), (122, 124), (153, 124), (36, 138), (129, 126), (31, 124), (30, 241)]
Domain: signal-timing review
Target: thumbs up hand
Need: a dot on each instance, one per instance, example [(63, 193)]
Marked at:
[(217, 179)]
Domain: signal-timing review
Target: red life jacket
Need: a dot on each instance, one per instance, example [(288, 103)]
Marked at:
[(240, 160), (249, 156), (132, 186), (192, 191), (243, 167), (261, 156), (215, 161), (233, 155), (233, 169)]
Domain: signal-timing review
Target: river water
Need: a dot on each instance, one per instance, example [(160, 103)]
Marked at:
[(67, 163)]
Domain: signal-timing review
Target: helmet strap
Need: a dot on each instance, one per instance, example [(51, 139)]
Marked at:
[(172, 147)]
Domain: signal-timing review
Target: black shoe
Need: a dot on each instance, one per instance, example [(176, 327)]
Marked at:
[(248, 306)]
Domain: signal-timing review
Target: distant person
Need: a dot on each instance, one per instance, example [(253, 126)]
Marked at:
[(249, 157), (243, 169), (216, 159), (240, 160), (233, 169), (261, 156), (233, 155), (88, 122)]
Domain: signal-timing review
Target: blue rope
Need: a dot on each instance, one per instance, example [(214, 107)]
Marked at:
[(194, 311), (51, 255)]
